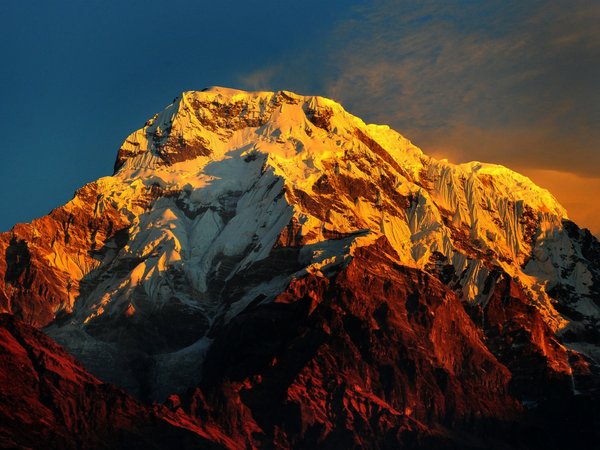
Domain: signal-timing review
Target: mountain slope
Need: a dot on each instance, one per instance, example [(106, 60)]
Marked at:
[(48, 400), (369, 356), (226, 200)]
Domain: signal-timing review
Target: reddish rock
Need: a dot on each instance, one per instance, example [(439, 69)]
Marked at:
[(34, 285), (518, 335), (47, 400), (379, 356)]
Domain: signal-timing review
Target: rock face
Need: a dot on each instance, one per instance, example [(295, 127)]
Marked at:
[(362, 359), (47, 400), (303, 279)]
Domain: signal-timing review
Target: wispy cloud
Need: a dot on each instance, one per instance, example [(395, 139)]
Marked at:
[(506, 81), (523, 74), (261, 79), (513, 82)]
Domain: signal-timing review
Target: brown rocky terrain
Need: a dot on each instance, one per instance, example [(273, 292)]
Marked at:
[(48, 400)]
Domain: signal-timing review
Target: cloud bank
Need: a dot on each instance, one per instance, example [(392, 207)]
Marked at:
[(512, 82)]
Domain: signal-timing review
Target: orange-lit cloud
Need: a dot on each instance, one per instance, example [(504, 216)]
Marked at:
[(520, 73), (509, 82), (534, 146), (577, 194)]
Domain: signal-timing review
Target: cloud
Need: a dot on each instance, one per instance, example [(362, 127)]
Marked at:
[(524, 73), (503, 81), (261, 79), (467, 76)]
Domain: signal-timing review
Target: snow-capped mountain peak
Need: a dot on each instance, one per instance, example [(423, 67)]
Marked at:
[(225, 197)]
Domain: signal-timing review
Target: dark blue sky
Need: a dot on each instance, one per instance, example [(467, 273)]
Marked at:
[(79, 76), (506, 81)]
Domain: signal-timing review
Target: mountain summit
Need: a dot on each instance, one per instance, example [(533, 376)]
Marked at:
[(303, 278)]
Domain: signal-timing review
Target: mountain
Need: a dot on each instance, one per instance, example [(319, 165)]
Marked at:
[(48, 400), (302, 279)]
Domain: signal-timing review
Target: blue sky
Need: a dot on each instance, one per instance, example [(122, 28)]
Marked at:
[(79, 76), (502, 81)]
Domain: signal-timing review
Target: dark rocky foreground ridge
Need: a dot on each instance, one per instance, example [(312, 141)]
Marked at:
[(379, 356), (266, 271), (48, 400)]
